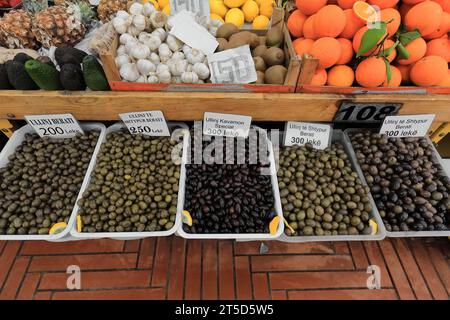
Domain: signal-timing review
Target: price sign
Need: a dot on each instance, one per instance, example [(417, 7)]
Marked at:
[(151, 123), (407, 126), (232, 66), (199, 7), (226, 125), (301, 133), (365, 112), (55, 125)]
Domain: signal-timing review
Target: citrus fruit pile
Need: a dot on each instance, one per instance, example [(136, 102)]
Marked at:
[(374, 42)]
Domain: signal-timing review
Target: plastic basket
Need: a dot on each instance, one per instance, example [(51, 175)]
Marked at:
[(15, 141)]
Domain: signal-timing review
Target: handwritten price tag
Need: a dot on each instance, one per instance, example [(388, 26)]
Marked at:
[(55, 125), (150, 123), (199, 7), (407, 126), (301, 133), (226, 125)]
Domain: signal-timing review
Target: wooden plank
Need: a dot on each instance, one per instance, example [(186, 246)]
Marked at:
[(191, 105)]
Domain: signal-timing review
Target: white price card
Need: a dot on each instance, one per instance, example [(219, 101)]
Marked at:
[(150, 123), (226, 125), (407, 126), (198, 7), (301, 133), (55, 125), (232, 66)]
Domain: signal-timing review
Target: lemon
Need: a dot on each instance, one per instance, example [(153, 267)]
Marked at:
[(217, 7), (163, 3), (235, 16), (58, 228), (266, 9), (216, 17), (166, 9), (251, 10), (261, 22), (234, 3), (155, 4)]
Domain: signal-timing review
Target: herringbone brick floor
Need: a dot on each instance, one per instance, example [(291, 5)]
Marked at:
[(173, 268)]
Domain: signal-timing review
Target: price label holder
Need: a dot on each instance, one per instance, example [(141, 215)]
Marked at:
[(367, 113), (226, 125), (198, 7), (151, 123), (55, 125), (407, 126), (301, 133)]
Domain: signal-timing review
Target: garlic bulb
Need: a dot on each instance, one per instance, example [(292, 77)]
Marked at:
[(177, 67), (124, 38), (145, 67), (121, 50), (129, 72), (122, 59), (164, 52), (201, 70), (142, 79), (154, 58), (195, 56), (164, 77), (178, 56), (139, 51), (133, 30), (200, 81), (131, 44), (148, 9), (158, 19), (176, 80), (139, 22), (153, 78), (161, 33), (136, 8), (189, 77), (190, 67), (123, 15), (120, 25), (173, 43), (215, 23), (213, 30), (162, 67), (186, 49), (151, 41)]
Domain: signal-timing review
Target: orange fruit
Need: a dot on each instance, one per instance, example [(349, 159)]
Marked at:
[(364, 11), (327, 50), (319, 78), (347, 52), (445, 4), (294, 42), (352, 25), (357, 40), (404, 70), (439, 47), (383, 4), (329, 21), (346, 4), (340, 76), (446, 81), (425, 16), (396, 78), (404, 8), (429, 71), (387, 44), (417, 49), (412, 2), (295, 23), (371, 72), (310, 7), (389, 14), (443, 29), (308, 28), (303, 46)]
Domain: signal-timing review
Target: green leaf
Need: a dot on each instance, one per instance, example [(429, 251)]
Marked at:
[(371, 38), (407, 37), (386, 52), (402, 52), (388, 70)]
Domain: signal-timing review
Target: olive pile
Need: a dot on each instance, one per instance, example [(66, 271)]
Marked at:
[(321, 194), (229, 198), (407, 183), (40, 184), (134, 186)]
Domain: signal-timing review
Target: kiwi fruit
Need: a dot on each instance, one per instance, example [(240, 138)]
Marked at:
[(275, 75), (262, 40), (273, 56), (274, 37), (222, 44), (260, 65), (226, 31), (261, 77), (259, 50), (243, 38)]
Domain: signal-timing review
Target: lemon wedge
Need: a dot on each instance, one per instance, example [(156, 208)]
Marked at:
[(79, 224), (57, 228), (374, 227), (273, 226), (187, 219)]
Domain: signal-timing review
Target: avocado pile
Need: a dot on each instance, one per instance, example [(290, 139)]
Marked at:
[(76, 71), (268, 54)]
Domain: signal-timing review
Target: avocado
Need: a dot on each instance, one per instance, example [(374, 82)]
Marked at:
[(45, 76), (4, 82), (71, 77), (22, 57), (77, 54), (93, 73), (18, 76)]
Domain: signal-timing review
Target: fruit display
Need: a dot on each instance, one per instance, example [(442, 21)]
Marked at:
[(321, 193), (402, 43), (134, 186), (41, 182), (229, 198), (407, 182)]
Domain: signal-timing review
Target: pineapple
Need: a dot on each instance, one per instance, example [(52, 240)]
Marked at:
[(15, 30), (108, 8)]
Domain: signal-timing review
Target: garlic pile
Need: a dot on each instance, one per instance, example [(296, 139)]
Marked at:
[(149, 54)]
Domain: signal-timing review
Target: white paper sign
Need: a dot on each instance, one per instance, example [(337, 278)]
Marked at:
[(226, 125), (407, 126), (301, 133), (150, 123), (233, 66), (55, 125), (198, 7), (193, 34)]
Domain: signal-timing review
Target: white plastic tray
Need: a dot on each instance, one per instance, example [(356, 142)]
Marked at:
[(140, 235), (338, 136), (15, 141), (248, 236), (407, 234)]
